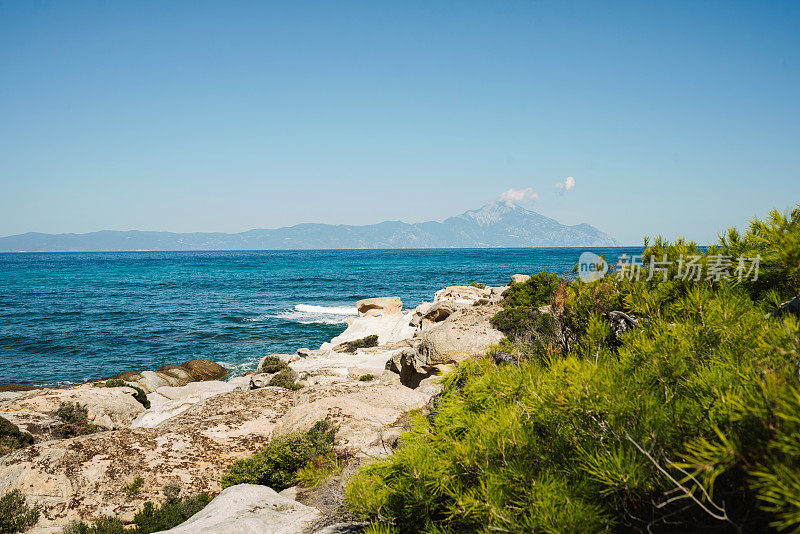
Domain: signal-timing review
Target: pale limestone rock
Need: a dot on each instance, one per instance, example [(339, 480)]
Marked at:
[(362, 413), (519, 278), (331, 363), (465, 333), (290, 493), (85, 476), (168, 401), (249, 509), (260, 380), (452, 333), (430, 386), (379, 306), (463, 295), (110, 408), (175, 375), (390, 329)]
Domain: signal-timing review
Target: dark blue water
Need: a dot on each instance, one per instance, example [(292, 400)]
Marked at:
[(80, 316)]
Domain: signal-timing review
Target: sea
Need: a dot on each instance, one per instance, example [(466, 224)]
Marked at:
[(73, 317)]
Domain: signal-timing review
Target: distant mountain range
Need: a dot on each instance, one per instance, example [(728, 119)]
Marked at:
[(499, 224)]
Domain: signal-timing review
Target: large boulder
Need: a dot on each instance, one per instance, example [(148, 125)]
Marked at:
[(175, 375), (449, 333), (465, 295), (390, 329), (462, 334), (379, 306), (250, 509), (519, 278)]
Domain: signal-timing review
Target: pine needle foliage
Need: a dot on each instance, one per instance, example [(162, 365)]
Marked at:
[(688, 422)]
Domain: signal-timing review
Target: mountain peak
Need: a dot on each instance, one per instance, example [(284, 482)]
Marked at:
[(495, 212)]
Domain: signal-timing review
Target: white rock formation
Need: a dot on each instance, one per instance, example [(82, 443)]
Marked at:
[(110, 408), (519, 278), (168, 401), (379, 306), (249, 509)]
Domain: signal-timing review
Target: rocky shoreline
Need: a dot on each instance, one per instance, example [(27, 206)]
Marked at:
[(184, 425)]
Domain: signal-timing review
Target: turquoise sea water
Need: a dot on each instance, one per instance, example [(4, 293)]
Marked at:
[(80, 316)]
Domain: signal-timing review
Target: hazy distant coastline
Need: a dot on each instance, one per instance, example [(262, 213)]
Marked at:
[(496, 225)]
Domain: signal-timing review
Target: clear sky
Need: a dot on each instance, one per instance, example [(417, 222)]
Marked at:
[(672, 117)]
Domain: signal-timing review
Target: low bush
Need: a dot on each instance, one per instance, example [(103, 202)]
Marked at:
[(272, 364), (478, 285), (151, 518), (114, 383), (276, 465), (15, 515), (103, 525), (75, 421), (365, 342), (11, 437), (134, 487), (286, 379), (687, 422), (366, 378)]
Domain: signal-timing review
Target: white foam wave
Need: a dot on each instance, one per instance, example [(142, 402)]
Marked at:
[(327, 310), (256, 318), (309, 314)]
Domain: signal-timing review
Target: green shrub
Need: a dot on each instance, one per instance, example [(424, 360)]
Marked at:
[(171, 491), (276, 465), (115, 383), (75, 421), (365, 342), (478, 285), (141, 396), (151, 518), (134, 487), (103, 525), (688, 422), (11, 437), (273, 364), (366, 378), (520, 316), (537, 291), (15, 515), (285, 379)]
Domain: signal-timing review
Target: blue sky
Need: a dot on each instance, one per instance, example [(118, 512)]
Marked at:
[(674, 118)]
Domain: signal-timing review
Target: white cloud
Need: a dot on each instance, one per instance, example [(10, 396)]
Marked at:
[(515, 196), (568, 184)]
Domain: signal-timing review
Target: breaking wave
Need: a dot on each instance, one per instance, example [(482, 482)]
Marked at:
[(310, 313)]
